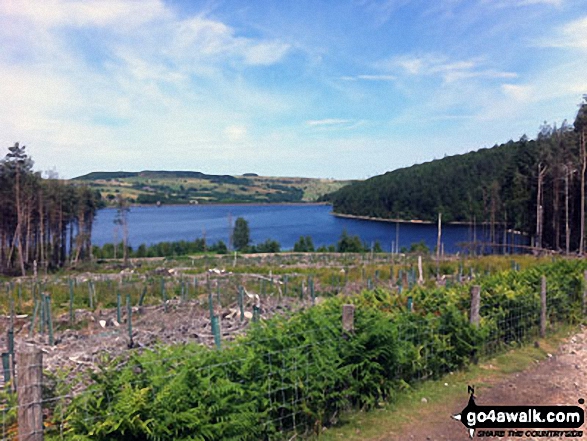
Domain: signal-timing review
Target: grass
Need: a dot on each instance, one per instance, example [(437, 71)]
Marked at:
[(205, 190), (441, 395), (324, 268)]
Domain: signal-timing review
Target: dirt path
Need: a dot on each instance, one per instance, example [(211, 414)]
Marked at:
[(560, 379)]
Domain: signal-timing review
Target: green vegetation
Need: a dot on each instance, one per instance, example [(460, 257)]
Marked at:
[(349, 244), (242, 243), (498, 187), (241, 236), (407, 410), (186, 187), (304, 244), (37, 216), (296, 374)]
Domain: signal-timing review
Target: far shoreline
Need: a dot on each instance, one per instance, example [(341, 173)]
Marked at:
[(219, 204), (379, 219), (414, 221)]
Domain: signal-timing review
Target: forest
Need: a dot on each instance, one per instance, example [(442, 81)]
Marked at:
[(533, 186), (45, 224)]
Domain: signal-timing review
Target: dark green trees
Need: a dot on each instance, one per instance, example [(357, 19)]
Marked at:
[(304, 245), (41, 220), (269, 246), (536, 187), (349, 244), (241, 234)]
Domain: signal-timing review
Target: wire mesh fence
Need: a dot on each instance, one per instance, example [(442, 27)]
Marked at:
[(289, 376)]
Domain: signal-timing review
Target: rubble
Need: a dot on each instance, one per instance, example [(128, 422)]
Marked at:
[(97, 334)]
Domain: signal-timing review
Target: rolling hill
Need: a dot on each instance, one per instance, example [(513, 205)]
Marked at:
[(191, 187)]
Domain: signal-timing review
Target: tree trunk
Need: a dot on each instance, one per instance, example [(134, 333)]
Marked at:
[(583, 166), (539, 211), (19, 223), (567, 229), (42, 230)]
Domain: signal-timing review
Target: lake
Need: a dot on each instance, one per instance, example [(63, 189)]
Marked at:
[(284, 223)]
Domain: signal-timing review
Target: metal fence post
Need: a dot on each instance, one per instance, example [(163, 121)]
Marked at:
[(585, 293), (543, 307)]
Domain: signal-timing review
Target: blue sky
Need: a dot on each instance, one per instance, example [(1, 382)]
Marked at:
[(341, 89)]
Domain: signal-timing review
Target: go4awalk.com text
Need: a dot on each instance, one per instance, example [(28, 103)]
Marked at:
[(514, 421)]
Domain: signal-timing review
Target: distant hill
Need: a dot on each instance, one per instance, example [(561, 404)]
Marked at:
[(191, 187), (497, 187)]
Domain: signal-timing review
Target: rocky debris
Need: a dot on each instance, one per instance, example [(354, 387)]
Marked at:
[(97, 334)]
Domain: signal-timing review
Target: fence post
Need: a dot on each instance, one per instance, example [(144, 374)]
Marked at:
[(585, 293), (348, 318), (118, 314), (241, 302), (143, 294), (90, 296), (163, 294), (49, 319), (129, 320), (543, 307), (71, 314), (474, 316), (216, 330), (30, 411), (6, 356), (285, 286)]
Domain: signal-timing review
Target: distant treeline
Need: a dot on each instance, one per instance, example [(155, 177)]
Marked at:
[(163, 174), (346, 244), (535, 186), (41, 220)]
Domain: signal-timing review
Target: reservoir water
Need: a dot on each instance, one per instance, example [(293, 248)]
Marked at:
[(284, 223)]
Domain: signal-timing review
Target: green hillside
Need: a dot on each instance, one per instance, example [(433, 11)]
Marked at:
[(190, 187), (496, 187)]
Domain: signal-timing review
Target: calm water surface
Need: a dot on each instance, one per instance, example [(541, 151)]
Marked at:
[(284, 223)]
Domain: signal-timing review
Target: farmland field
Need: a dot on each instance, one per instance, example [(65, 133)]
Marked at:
[(151, 187)]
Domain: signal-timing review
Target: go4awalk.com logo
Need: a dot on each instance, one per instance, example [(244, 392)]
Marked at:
[(502, 421)]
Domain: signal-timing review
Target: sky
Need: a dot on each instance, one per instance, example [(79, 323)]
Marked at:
[(343, 89)]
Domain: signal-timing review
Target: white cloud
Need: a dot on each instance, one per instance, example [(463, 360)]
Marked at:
[(236, 133), (146, 80), (201, 38), (439, 65), (369, 77), (518, 92), (265, 53), (573, 35), (112, 13), (327, 122), (521, 3)]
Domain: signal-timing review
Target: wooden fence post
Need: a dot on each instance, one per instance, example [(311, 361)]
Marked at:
[(474, 316), (348, 318), (30, 379), (543, 307), (585, 293)]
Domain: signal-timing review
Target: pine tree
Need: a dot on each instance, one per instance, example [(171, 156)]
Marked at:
[(241, 234)]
